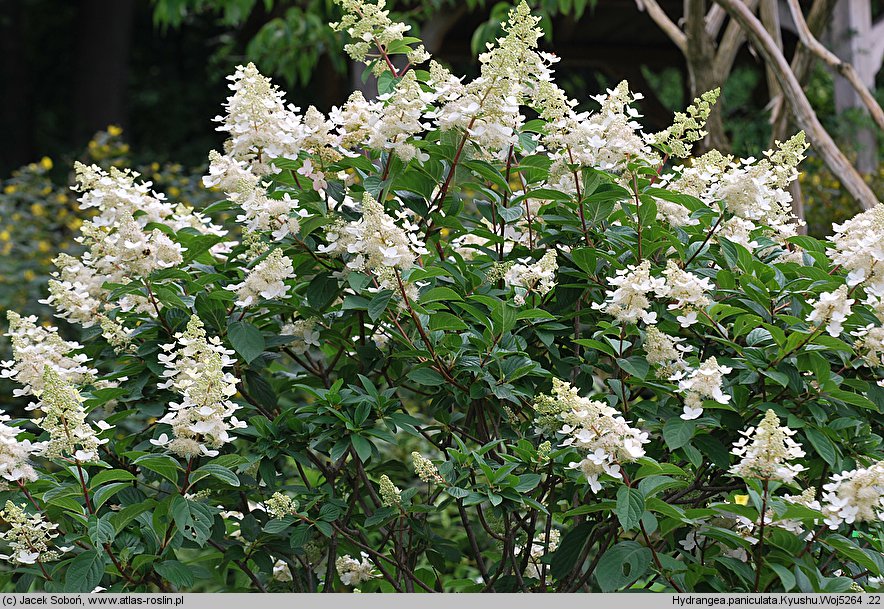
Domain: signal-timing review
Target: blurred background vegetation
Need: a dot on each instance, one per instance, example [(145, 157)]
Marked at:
[(137, 82)]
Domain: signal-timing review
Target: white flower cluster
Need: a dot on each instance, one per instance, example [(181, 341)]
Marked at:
[(527, 278), (768, 455), (703, 383), (353, 572), (266, 280), (400, 119), (831, 310), (425, 469), (15, 454), (629, 302), (376, 243), (754, 191), (688, 290), (687, 127), (119, 247), (666, 352), (855, 496), (859, 249), (64, 417), (195, 370), (280, 506), (605, 140), (370, 26), (304, 334), (597, 429), (538, 549), (278, 215), (391, 495), (29, 537), (34, 348), (488, 108)]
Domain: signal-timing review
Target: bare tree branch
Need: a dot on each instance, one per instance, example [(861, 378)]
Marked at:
[(730, 44), (666, 24), (801, 108), (842, 67)]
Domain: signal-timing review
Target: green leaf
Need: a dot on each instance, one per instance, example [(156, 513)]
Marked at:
[(378, 304), (441, 320), (426, 376), (246, 340), (175, 573), (564, 559), (678, 432), (630, 507), (101, 531), (622, 565), (85, 571), (362, 446), (107, 491), (223, 474), (784, 574), (193, 519), (164, 465), (110, 475), (822, 445), (439, 294), (322, 291)]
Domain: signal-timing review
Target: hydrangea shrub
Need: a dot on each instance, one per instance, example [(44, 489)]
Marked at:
[(461, 337)]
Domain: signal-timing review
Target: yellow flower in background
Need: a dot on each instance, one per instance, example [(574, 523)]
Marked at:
[(4, 236), (46, 190), (174, 191), (29, 275), (75, 223), (61, 198), (37, 209), (114, 130), (741, 499), (44, 246), (9, 189), (46, 163)]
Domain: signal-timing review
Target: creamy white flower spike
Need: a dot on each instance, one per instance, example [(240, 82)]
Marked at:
[(859, 249), (119, 246), (629, 303), (831, 310), (34, 348), (265, 281), (259, 125), (370, 27), (538, 277), (687, 290), (202, 422), (15, 454), (665, 352), (855, 496), (766, 451), (595, 428), (703, 383), (353, 572), (29, 537), (64, 418)]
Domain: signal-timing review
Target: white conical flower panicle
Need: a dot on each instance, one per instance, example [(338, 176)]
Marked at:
[(265, 281), (369, 25), (703, 383), (831, 310), (665, 352), (766, 451), (687, 290), (630, 303), (596, 429), (377, 244), (353, 572), (855, 496), (15, 454), (202, 422), (260, 126), (526, 277), (36, 347), (64, 418), (29, 537), (859, 249)]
